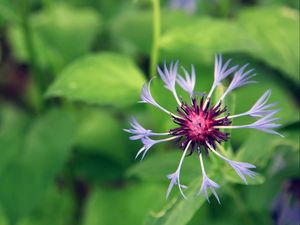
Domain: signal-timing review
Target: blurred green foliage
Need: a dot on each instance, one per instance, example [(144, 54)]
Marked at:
[(70, 76)]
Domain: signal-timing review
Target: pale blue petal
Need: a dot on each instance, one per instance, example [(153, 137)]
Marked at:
[(222, 71)]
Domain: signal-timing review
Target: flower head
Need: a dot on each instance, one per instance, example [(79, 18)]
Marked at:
[(189, 6), (200, 125), (197, 123)]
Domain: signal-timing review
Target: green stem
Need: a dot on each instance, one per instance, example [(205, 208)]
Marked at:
[(156, 37), (37, 75)]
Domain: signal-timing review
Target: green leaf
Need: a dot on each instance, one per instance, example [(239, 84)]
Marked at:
[(282, 168), (106, 79), (128, 205), (259, 148), (93, 137), (96, 169), (291, 133), (157, 167), (203, 38), (60, 34), (45, 147), (275, 35), (256, 31), (45, 55), (132, 28), (13, 125), (57, 204), (70, 30), (8, 12)]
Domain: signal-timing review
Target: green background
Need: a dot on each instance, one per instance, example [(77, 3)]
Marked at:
[(70, 78)]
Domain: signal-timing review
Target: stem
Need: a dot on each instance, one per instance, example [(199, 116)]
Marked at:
[(179, 168), (27, 32), (176, 97), (232, 127), (202, 164), (166, 139), (234, 116), (209, 95), (218, 154), (238, 115), (156, 37)]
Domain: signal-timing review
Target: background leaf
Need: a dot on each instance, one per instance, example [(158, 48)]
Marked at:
[(61, 33), (132, 202), (40, 157), (274, 33), (106, 79), (101, 132), (157, 167), (204, 37)]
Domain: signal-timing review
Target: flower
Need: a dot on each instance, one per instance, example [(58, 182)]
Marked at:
[(264, 124), (137, 130), (190, 6), (241, 168), (221, 72), (169, 76), (207, 183), (285, 208), (201, 126), (174, 178), (188, 84), (140, 132), (240, 78), (148, 143), (260, 108)]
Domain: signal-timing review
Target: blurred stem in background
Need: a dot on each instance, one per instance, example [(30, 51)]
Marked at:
[(156, 37), (38, 81)]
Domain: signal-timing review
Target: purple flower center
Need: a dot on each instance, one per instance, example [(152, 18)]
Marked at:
[(197, 124)]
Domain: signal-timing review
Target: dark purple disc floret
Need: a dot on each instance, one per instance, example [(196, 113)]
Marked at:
[(197, 125)]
